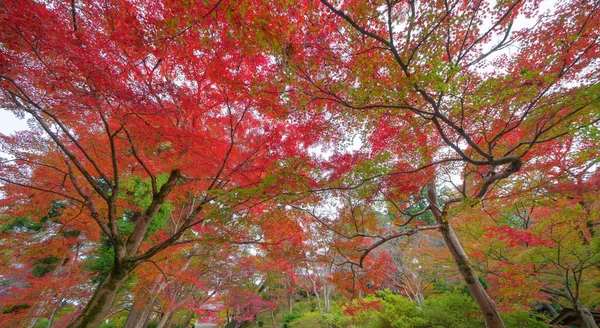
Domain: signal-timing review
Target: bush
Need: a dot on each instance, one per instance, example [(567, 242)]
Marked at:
[(383, 310), (336, 319), (42, 323), (289, 317), (523, 320), (398, 312), (310, 319), (452, 310)]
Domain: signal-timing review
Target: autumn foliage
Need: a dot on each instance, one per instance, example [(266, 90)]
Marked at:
[(217, 159)]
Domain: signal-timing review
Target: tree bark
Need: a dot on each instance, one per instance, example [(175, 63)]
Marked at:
[(186, 320), (165, 319), (314, 284), (486, 304), (137, 316), (587, 319), (326, 296), (273, 319), (101, 302), (56, 308)]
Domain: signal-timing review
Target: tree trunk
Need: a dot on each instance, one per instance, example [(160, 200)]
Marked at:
[(273, 319), (36, 311), (314, 283), (101, 302), (587, 319), (141, 316), (134, 314), (186, 320), (51, 319), (486, 304), (165, 319), (326, 296), (137, 318)]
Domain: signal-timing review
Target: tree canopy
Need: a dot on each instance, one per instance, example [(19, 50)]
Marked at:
[(215, 159)]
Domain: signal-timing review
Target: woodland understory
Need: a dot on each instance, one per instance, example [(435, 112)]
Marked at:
[(394, 163)]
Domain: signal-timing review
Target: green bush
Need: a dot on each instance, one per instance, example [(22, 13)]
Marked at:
[(523, 320), (289, 317), (310, 319), (398, 312), (452, 310), (394, 312), (336, 319), (42, 323)]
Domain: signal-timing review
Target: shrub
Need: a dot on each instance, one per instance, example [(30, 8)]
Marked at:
[(523, 320), (310, 319), (398, 312), (452, 310), (289, 317)]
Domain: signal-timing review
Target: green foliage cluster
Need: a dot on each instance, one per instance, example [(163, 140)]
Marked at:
[(523, 320), (42, 323), (310, 319), (44, 266), (14, 308), (452, 309), (139, 192), (101, 262), (27, 225), (289, 317), (21, 224), (109, 324)]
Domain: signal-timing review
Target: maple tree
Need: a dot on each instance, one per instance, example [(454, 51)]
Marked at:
[(546, 244), (431, 92), (417, 263), (140, 113), (49, 271), (159, 124)]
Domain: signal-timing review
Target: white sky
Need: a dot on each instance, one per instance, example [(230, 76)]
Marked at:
[(9, 123)]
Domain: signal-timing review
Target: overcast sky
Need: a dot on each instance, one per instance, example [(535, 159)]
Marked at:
[(9, 123)]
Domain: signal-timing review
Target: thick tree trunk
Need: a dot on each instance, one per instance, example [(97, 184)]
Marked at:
[(137, 316), (486, 304), (134, 314), (587, 319), (101, 302)]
